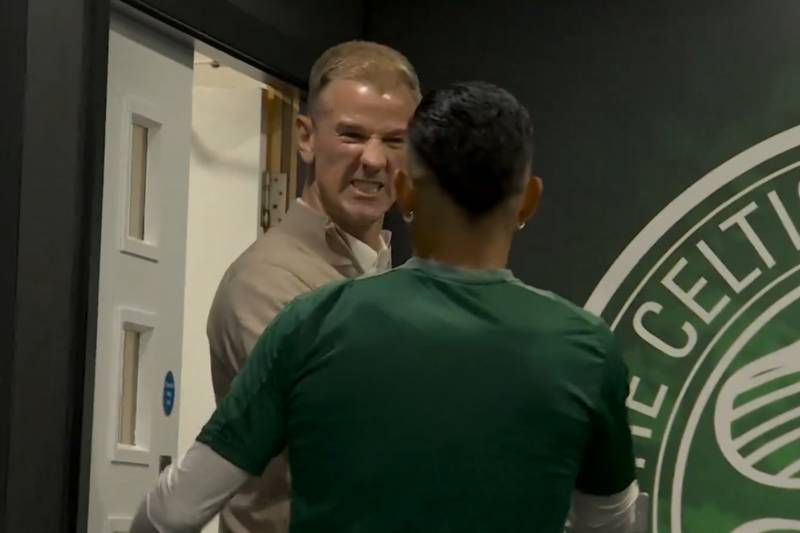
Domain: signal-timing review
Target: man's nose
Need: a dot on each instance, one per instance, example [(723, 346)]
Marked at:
[(373, 158)]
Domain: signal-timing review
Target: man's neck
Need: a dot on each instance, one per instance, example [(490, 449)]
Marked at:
[(466, 250), (370, 235), (443, 233)]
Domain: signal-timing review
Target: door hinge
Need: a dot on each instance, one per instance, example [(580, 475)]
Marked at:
[(274, 199)]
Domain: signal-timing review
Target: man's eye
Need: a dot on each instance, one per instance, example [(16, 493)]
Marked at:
[(395, 141), (352, 136)]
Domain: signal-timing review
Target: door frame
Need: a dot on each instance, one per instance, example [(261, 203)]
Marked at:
[(52, 179), (51, 154)]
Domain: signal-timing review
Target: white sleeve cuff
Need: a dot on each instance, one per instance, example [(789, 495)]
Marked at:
[(190, 493), (616, 513)]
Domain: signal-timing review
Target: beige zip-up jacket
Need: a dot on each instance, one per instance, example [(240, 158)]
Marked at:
[(305, 252)]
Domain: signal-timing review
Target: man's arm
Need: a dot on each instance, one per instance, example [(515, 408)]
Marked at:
[(616, 513), (606, 489), (245, 432), (190, 493), (242, 309)]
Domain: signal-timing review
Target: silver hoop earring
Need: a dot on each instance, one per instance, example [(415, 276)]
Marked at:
[(521, 226), (408, 218)]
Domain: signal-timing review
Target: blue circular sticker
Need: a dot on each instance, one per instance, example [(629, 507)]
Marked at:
[(168, 397)]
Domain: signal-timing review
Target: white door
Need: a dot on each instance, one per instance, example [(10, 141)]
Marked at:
[(142, 269)]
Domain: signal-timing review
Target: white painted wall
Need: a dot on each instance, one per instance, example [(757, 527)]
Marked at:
[(226, 161)]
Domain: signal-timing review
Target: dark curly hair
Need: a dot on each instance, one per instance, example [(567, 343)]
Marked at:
[(476, 140)]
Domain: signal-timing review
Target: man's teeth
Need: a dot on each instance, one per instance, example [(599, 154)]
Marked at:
[(367, 186)]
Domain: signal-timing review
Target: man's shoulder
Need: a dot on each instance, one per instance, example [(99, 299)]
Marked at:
[(559, 305), (275, 249), (276, 256), (268, 274), (315, 306), (546, 311), (344, 296)]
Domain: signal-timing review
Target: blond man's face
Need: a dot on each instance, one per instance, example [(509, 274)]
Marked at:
[(357, 142)]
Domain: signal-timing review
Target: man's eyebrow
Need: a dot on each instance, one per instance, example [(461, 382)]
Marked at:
[(346, 124), (349, 124), (397, 132)]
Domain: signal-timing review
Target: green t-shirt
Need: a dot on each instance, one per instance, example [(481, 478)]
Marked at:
[(429, 399)]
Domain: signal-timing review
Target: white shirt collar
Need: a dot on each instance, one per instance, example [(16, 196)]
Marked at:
[(365, 255), (368, 259)]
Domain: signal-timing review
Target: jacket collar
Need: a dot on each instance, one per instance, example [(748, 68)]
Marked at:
[(317, 231)]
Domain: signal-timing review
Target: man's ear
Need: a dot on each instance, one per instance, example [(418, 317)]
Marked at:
[(305, 138), (404, 187), (530, 200)]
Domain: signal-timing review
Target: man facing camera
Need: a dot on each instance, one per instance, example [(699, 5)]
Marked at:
[(361, 96)]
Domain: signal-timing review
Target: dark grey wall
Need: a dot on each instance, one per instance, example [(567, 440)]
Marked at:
[(282, 37), (320, 23), (12, 62), (632, 102), (54, 63)]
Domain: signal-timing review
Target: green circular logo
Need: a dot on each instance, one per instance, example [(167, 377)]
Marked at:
[(706, 301)]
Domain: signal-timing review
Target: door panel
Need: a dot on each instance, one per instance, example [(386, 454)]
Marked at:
[(142, 269)]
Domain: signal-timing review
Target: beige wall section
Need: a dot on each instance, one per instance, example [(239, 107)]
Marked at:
[(224, 183)]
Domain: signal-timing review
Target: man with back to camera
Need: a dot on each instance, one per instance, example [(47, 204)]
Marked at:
[(361, 96), (494, 407)]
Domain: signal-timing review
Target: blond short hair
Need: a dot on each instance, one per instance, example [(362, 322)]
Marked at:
[(362, 61)]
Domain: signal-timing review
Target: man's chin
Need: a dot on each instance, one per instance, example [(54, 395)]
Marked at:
[(362, 216)]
